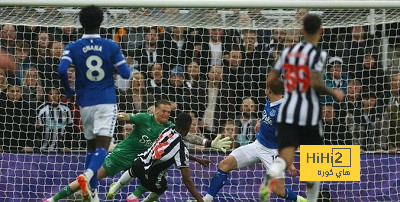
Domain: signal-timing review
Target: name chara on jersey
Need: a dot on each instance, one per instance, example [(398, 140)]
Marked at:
[(92, 48)]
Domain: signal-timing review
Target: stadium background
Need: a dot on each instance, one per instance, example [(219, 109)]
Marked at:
[(30, 34)]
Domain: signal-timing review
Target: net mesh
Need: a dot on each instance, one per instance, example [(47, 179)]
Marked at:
[(179, 55)]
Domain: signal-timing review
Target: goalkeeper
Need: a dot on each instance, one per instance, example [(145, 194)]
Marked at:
[(147, 129)]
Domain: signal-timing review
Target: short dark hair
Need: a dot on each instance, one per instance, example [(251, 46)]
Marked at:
[(312, 23), (277, 89), (183, 121), (249, 31), (147, 30), (162, 102), (91, 17)]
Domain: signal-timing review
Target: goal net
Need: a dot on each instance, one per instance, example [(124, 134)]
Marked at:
[(211, 62)]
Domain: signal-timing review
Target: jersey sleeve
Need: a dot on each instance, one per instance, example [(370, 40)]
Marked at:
[(120, 62), (320, 63), (66, 61), (182, 157), (138, 118), (67, 54)]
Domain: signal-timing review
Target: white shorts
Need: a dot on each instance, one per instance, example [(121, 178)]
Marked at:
[(99, 120), (255, 153)]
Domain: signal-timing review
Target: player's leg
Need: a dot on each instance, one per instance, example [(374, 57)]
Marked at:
[(74, 187), (240, 157), (313, 190), (103, 119), (125, 179), (157, 187), (267, 157), (287, 139), (311, 135), (116, 162)]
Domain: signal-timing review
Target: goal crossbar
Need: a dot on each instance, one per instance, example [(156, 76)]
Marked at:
[(343, 4)]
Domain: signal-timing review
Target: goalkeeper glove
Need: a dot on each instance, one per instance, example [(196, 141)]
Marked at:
[(221, 144)]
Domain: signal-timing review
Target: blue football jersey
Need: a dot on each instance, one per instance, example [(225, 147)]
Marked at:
[(267, 132), (94, 59)]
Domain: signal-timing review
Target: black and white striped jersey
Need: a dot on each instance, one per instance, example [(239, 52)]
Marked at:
[(301, 105), (54, 118), (168, 149)]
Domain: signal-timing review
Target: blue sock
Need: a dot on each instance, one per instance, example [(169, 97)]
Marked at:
[(217, 182), (94, 181), (88, 159), (97, 160), (289, 194)]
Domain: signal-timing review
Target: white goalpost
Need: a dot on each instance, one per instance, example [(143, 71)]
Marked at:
[(198, 41)]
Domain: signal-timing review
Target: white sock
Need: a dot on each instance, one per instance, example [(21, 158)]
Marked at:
[(277, 167), (89, 174), (208, 198), (122, 181), (151, 197), (312, 193), (132, 196), (50, 200)]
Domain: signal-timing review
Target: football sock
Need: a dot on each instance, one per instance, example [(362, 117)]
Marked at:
[(217, 182), (312, 193), (88, 159), (93, 181), (122, 181), (139, 191), (96, 162), (63, 193), (289, 194)]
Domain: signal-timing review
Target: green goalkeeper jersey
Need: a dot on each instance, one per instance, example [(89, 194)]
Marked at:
[(142, 137)]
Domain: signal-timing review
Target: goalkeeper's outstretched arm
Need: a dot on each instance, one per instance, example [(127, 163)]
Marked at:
[(217, 143)]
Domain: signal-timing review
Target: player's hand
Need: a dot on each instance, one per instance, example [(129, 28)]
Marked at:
[(122, 116), (338, 95), (203, 162), (293, 171), (257, 127), (221, 144)]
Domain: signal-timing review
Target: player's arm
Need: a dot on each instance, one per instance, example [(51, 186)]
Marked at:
[(120, 63), (65, 62), (318, 84), (316, 80), (217, 143), (203, 162), (122, 116), (185, 172), (273, 76)]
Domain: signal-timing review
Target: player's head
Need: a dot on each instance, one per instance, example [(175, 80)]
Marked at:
[(275, 91), (91, 18), (162, 111), (312, 25), (183, 123)]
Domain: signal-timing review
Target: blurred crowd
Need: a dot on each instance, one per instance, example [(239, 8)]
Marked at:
[(218, 75)]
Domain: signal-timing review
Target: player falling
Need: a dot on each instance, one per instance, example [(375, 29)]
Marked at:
[(147, 129), (94, 59), (299, 117), (263, 150), (151, 166)]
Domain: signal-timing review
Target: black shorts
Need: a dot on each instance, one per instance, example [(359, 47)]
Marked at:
[(294, 135), (151, 180)]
